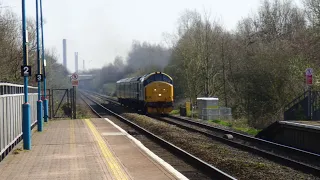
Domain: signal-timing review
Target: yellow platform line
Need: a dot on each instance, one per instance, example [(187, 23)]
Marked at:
[(72, 136), (73, 166), (111, 161)]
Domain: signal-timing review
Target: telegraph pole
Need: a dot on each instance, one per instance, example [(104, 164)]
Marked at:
[(45, 101), (39, 75), (25, 72)]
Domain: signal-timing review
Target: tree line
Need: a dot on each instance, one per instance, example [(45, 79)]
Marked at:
[(256, 69)]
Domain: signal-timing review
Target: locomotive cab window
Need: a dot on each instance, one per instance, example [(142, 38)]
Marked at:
[(167, 79), (157, 77), (149, 80)]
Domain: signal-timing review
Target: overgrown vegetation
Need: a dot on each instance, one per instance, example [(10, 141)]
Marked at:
[(238, 125), (66, 108), (175, 111), (83, 112), (241, 125), (255, 70)]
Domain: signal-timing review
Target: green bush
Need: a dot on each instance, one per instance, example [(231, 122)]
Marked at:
[(66, 107)]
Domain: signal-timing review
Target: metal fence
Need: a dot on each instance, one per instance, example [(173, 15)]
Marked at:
[(11, 100), (216, 114), (8, 88)]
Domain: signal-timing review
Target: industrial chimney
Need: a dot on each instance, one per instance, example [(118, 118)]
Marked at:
[(84, 68), (76, 62), (65, 53)]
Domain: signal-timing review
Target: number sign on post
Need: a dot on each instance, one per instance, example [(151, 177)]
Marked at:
[(25, 71), (39, 77)]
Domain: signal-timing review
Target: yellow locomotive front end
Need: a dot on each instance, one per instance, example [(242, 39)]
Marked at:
[(159, 94), (159, 98)]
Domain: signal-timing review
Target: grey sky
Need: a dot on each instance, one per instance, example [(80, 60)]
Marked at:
[(101, 29)]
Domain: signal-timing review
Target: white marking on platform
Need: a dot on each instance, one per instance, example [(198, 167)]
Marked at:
[(150, 153), (113, 134)]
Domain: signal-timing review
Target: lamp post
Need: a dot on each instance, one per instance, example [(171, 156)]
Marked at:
[(26, 123), (45, 101), (38, 76)]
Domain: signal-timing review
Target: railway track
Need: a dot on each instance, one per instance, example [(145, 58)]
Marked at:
[(289, 156), (279, 149), (199, 164), (103, 97), (311, 164)]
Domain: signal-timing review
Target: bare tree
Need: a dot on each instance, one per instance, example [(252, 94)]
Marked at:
[(313, 11)]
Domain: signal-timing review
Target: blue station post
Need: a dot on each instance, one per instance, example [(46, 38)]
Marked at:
[(26, 71), (45, 101), (39, 76)]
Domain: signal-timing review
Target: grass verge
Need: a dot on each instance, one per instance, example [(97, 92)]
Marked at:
[(238, 125), (241, 125)]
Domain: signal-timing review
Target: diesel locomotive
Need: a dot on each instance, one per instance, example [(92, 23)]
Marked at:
[(151, 93)]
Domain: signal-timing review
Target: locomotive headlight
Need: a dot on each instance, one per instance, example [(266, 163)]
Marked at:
[(159, 95), (155, 90)]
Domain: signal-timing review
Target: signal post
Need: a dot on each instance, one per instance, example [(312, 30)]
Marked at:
[(309, 82)]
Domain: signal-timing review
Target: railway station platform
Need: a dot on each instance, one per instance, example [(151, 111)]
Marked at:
[(85, 149), (306, 124), (303, 135)]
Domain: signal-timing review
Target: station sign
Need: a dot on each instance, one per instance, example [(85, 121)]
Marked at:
[(74, 76), (39, 77), (25, 70), (74, 79)]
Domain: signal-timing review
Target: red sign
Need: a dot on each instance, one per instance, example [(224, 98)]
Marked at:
[(309, 72), (75, 82), (74, 76), (309, 79)]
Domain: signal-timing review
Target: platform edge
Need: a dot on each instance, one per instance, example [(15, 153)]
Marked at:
[(163, 163)]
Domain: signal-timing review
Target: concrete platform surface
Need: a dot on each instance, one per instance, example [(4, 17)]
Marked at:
[(85, 149)]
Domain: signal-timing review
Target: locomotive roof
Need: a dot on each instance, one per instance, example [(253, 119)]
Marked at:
[(147, 75), (132, 79), (140, 78)]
